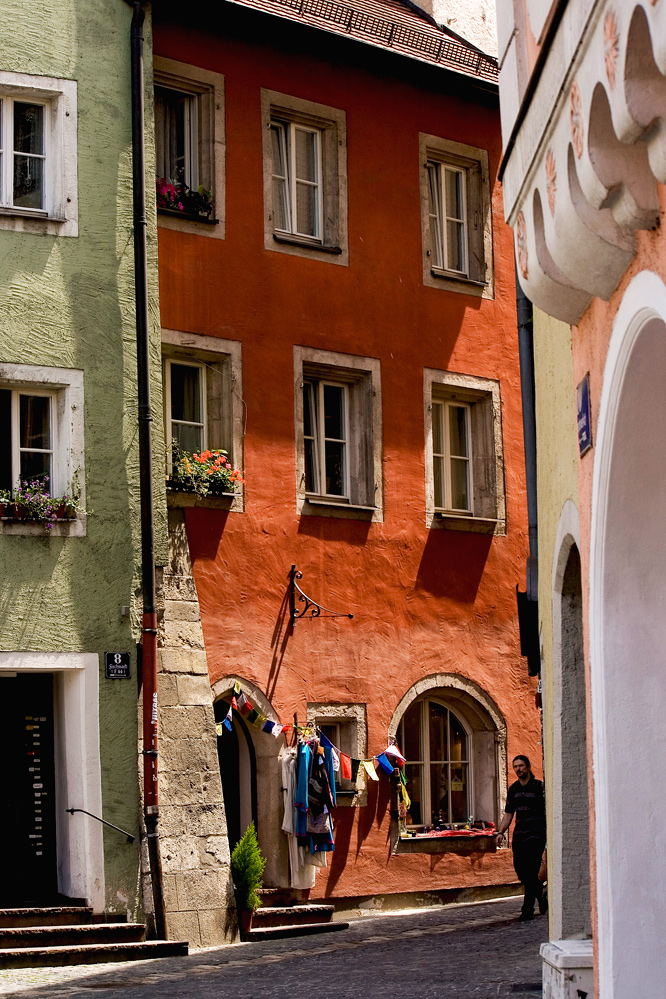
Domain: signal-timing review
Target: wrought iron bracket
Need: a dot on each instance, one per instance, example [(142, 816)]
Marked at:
[(311, 608), (130, 838)]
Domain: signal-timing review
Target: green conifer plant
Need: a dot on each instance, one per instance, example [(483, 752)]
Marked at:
[(247, 867)]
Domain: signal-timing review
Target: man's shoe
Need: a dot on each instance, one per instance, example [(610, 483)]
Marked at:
[(543, 906), (525, 916)]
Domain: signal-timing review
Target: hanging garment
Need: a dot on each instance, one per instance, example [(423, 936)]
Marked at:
[(302, 871)]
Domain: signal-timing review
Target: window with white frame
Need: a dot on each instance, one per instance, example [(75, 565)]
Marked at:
[(297, 190), (203, 396), (463, 452), (185, 395), (28, 446), (452, 456), (23, 154), (305, 179), (38, 154), (177, 136), (456, 216), (436, 744), (189, 147), (41, 433), (338, 434), (447, 211), (325, 435)]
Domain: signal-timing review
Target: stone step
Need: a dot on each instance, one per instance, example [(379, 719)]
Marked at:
[(52, 957), (36, 937), (292, 915), (57, 915), (298, 930)]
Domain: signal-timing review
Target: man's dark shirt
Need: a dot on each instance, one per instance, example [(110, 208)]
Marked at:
[(527, 803)]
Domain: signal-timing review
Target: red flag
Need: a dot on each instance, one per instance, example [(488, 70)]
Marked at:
[(234, 703), (345, 766), (247, 707)]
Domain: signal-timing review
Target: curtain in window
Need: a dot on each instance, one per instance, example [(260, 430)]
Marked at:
[(435, 212), (281, 213), (28, 155), (170, 113)]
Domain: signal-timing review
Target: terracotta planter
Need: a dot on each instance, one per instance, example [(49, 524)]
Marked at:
[(244, 922)]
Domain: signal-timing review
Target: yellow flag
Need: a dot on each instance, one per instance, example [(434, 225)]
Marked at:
[(237, 687), (369, 768), (218, 728)]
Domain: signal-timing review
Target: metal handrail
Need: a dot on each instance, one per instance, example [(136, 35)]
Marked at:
[(130, 838)]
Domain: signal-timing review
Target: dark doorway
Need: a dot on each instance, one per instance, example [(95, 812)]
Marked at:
[(238, 771), (27, 829)]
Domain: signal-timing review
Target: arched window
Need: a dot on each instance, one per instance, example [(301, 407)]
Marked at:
[(437, 746)]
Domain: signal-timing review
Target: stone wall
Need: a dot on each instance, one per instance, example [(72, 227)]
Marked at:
[(194, 846)]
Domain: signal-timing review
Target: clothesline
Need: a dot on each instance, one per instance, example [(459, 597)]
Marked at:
[(348, 765)]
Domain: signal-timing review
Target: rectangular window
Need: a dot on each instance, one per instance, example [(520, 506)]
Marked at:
[(38, 154), (345, 726), (185, 393), (41, 436), (176, 136), (305, 178), (23, 161), (203, 399), (448, 217), (189, 148), (452, 464), (325, 429), (463, 453), (338, 434), (29, 445), (296, 152), (456, 217)]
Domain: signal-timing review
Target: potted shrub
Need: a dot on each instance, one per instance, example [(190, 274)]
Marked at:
[(247, 868), (203, 472)]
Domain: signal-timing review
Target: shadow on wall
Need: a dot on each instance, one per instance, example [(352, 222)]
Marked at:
[(354, 532), (452, 564), (282, 632), (204, 530)]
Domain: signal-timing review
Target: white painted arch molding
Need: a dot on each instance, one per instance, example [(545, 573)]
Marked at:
[(591, 179)]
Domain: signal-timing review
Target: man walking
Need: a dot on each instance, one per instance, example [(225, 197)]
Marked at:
[(525, 799)]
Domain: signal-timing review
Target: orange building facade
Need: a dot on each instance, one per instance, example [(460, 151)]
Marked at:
[(342, 322)]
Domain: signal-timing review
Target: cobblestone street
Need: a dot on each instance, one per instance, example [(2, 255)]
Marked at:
[(458, 952)]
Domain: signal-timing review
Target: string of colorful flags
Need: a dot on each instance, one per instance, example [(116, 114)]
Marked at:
[(349, 766)]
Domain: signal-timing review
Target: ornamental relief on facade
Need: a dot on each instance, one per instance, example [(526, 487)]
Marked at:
[(604, 132)]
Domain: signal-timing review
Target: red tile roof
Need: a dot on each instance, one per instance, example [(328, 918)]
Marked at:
[(387, 24)]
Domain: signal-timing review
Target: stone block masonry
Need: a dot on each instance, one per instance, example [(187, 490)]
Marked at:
[(194, 845)]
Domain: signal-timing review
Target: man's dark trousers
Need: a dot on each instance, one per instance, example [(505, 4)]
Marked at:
[(527, 862)]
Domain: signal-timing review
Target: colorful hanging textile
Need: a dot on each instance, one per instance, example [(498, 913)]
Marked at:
[(346, 767), (252, 715), (336, 760), (259, 720), (277, 730), (234, 703), (393, 750), (355, 764), (237, 687), (268, 726), (218, 728), (325, 742), (385, 764), (226, 721), (369, 768)]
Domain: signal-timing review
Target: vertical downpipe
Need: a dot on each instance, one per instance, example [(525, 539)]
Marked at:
[(149, 619)]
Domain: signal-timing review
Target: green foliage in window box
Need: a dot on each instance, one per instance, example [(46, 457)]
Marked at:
[(247, 868), (181, 198), (204, 473), (32, 501)]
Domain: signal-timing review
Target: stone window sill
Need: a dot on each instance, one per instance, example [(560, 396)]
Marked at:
[(310, 244), (460, 522), (74, 527), (179, 498), (187, 217)]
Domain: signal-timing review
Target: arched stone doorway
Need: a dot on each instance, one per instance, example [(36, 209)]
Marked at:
[(251, 777), (627, 642)]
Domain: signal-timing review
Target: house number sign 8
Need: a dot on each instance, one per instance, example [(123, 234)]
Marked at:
[(117, 665)]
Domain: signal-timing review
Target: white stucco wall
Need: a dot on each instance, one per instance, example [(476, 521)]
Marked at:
[(475, 20)]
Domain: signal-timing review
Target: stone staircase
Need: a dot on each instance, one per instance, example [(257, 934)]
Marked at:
[(284, 914), (65, 935)]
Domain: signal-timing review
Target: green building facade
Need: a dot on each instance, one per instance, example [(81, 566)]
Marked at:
[(70, 582)]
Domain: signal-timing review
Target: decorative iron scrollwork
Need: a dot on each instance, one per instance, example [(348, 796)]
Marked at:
[(310, 607)]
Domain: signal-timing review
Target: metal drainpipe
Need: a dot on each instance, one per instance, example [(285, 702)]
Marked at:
[(526, 354), (149, 619), (528, 602)]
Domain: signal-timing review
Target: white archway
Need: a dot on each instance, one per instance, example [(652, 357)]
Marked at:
[(627, 642)]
